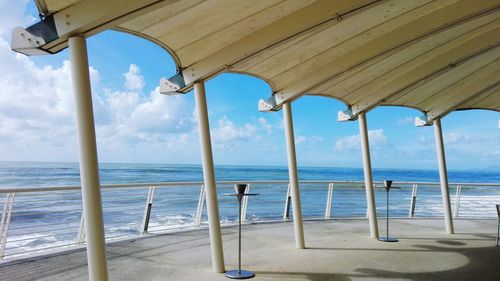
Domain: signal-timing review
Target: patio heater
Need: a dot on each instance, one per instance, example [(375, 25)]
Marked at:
[(239, 273), (387, 238)]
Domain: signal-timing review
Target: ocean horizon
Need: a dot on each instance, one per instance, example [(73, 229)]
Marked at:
[(35, 174)]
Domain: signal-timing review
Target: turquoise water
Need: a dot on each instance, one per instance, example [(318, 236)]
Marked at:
[(31, 174)]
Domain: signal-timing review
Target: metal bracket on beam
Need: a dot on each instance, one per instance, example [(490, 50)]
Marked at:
[(29, 41), (268, 104), (346, 115), (173, 85), (422, 121), (26, 43)]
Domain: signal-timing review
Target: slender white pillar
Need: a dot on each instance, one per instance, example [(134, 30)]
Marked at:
[(209, 178), (367, 169), (443, 176), (294, 179), (89, 168)]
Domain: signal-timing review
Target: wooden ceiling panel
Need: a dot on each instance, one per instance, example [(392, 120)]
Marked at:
[(317, 45), (57, 5), (431, 55), (157, 21), (413, 55), (474, 83), (487, 100), (447, 78), (241, 26), (389, 86), (367, 45)]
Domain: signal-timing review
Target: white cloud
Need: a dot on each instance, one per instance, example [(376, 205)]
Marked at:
[(422, 140), (309, 139), (13, 15), (227, 131), (406, 121), (456, 137), (135, 118), (300, 139), (134, 81), (376, 138), (36, 104), (37, 109), (265, 125)]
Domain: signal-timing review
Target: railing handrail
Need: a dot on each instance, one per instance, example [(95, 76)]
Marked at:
[(177, 210), (180, 184)]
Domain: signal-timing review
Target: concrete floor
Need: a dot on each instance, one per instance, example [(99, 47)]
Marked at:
[(336, 250)]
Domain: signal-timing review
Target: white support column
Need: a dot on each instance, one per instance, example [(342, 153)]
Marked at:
[(209, 178), (367, 168), (294, 179), (443, 176), (89, 168)]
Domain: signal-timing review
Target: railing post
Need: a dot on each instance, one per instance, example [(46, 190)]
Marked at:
[(288, 199), (244, 205), (457, 200), (147, 211), (199, 209), (80, 236), (413, 201), (329, 199), (4, 224)]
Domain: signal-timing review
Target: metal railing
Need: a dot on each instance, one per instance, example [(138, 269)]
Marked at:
[(35, 220)]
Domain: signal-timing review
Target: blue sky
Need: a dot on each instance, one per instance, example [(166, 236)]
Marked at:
[(136, 124)]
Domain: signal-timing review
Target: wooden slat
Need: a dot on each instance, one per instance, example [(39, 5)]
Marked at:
[(57, 5), (153, 22), (463, 89), (234, 26), (400, 80), (328, 88), (413, 97), (410, 57), (333, 42), (282, 29), (307, 75), (489, 100)]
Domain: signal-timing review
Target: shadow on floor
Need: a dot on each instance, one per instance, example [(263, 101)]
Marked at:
[(483, 264)]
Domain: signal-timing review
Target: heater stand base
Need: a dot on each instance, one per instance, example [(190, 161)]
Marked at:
[(239, 274), (388, 239)]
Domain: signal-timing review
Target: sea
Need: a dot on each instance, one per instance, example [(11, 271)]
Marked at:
[(42, 221), (36, 174)]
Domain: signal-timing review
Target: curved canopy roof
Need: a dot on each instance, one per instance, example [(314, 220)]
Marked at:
[(435, 56)]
